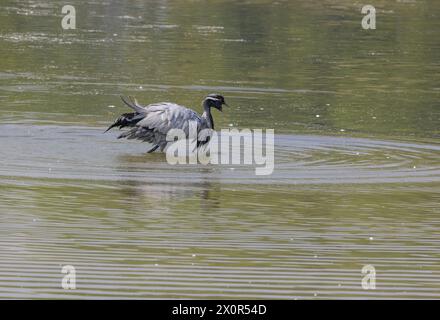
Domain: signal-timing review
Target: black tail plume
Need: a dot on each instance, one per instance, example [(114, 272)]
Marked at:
[(126, 120)]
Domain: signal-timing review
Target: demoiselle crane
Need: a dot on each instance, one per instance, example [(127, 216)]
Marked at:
[(151, 123)]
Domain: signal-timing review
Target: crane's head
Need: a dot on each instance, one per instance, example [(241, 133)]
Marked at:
[(214, 100)]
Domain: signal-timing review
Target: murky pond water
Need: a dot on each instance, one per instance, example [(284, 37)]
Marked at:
[(357, 156)]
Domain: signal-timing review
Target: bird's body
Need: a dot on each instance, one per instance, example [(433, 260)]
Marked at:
[(152, 123)]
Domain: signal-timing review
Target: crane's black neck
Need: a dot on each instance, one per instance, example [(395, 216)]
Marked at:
[(207, 114)]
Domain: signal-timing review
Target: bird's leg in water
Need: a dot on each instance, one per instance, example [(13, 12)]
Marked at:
[(153, 149)]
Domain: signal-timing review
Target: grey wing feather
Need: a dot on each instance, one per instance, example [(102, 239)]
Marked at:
[(159, 119), (166, 116)]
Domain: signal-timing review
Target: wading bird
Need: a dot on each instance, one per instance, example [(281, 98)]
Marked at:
[(151, 123)]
